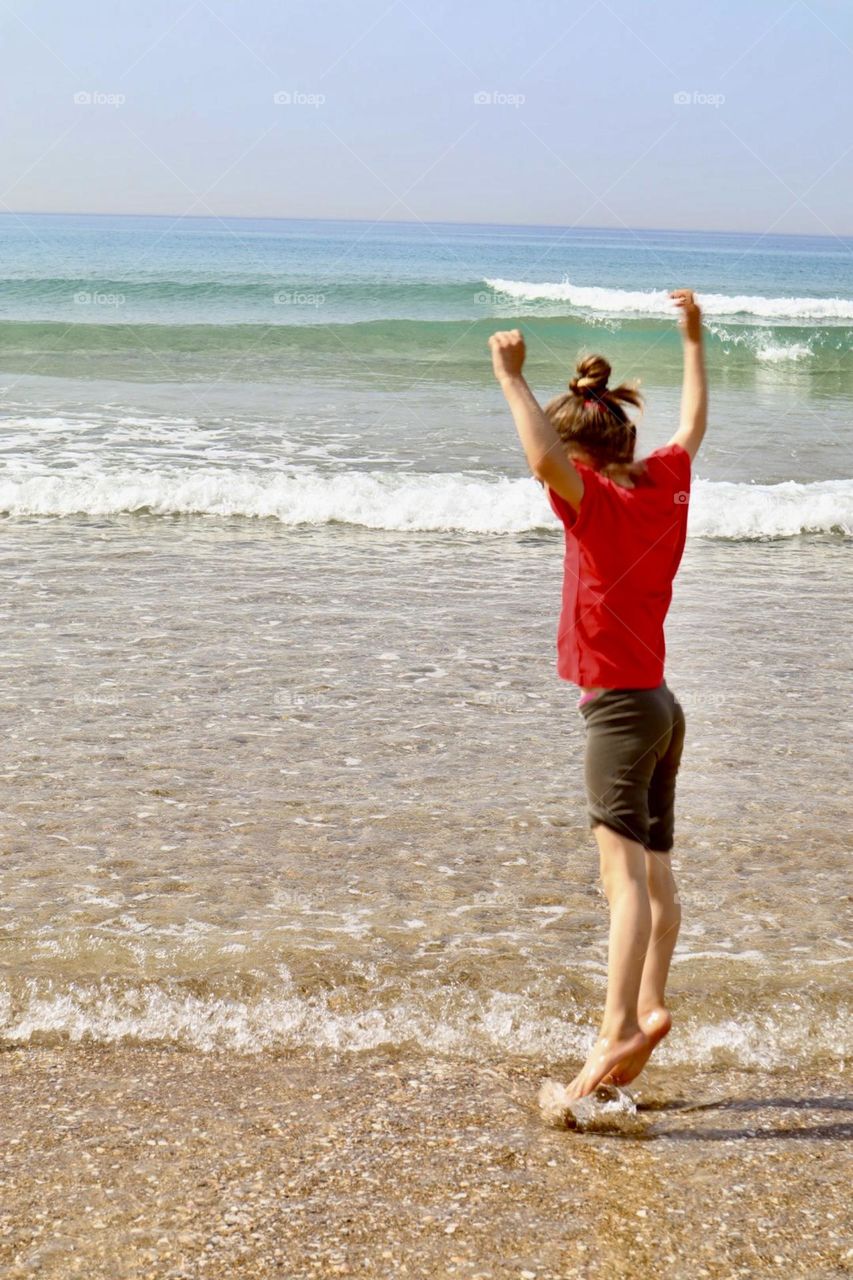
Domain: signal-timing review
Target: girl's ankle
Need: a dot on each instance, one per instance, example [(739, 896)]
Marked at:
[(647, 1007), (623, 1029)]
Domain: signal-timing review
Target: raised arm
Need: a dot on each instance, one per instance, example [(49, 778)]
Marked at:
[(694, 394), (545, 452)]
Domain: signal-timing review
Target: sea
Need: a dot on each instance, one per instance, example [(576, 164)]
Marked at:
[(286, 764)]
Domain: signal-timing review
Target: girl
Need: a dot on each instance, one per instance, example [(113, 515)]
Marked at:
[(625, 526)]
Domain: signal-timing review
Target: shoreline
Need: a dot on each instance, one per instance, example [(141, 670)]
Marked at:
[(158, 1162)]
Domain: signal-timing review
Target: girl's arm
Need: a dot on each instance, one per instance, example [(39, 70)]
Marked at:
[(545, 452), (694, 395)]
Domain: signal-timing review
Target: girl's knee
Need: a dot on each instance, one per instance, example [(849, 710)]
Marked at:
[(659, 873), (621, 862)]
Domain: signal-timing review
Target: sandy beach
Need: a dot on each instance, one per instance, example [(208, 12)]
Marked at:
[(306, 312), (138, 1161)]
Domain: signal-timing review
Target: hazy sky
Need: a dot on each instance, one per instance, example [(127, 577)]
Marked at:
[(178, 111)]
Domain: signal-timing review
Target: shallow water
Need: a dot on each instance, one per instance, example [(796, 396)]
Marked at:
[(268, 788)]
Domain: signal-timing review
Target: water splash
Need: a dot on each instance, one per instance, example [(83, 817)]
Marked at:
[(608, 1109)]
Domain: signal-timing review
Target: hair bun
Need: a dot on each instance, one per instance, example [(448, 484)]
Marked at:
[(592, 375)]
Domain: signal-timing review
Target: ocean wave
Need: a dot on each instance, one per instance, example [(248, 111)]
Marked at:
[(409, 503), (391, 353), (460, 1023), (656, 302), (764, 343)]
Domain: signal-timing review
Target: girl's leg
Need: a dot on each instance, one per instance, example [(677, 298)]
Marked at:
[(623, 872), (652, 1012), (625, 776), (666, 921), (663, 893), (663, 896)]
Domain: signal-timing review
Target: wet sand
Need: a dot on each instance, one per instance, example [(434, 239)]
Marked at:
[(127, 1162)]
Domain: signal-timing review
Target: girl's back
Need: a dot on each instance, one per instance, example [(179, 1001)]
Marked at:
[(623, 548)]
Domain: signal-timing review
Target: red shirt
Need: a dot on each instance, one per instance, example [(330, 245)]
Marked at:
[(623, 548)]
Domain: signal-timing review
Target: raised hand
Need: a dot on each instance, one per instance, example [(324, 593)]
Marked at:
[(694, 390), (508, 352), (690, 319)]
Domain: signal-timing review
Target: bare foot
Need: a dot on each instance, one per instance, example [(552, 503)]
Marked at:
[(656, 1024), (606, 1055)]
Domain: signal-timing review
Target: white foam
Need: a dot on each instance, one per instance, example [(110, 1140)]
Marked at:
[(761, 1040), (723, 509), (763, 343), (657, 302), (779, 353), (373, 500), (408, 502), (455, 1021)]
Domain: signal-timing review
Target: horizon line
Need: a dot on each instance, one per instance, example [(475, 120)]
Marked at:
[(414, 222)]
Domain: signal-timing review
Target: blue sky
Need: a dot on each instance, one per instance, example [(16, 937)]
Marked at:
[(170, 107)]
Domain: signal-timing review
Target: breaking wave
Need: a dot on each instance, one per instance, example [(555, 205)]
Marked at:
[(409, 503)]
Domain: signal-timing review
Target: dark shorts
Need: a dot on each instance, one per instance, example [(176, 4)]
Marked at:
[(634, 740)]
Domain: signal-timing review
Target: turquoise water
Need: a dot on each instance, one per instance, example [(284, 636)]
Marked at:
[(155, 298), (249, 367)]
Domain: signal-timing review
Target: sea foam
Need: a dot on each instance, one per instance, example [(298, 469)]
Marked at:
[(657, 302), (409, 503), (446, 1021)]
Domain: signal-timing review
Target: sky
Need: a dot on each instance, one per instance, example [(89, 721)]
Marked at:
[(733, 115)]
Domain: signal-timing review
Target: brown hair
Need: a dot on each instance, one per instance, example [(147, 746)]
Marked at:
[(590, 415)]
